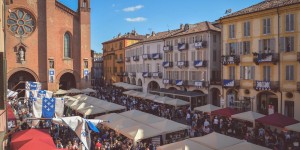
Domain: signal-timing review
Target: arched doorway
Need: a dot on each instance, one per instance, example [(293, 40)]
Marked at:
[(232, 97), (67, 81), (267, 100), (128, 80), (133, 81), (215, 96), (15, 78), (140, 82), (153, 86)]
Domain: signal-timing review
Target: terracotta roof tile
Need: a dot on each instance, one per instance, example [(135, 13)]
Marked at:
[(264, 5)]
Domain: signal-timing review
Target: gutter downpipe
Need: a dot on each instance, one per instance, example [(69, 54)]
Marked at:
[(279, 61)]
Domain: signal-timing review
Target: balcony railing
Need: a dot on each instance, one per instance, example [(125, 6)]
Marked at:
[(127, 59), (266, 85), (199, 45), (120, 73), (230, 59), (156, 56), (200, 63), (298, 86), (215, 82), (157, 74), (182, 46), (133, 74), (120, 60), (198, 84), (146, 74), (265, 58), (181, 64), (167, 81), (146, 56), (231, 83), (180, 82), (136, 58), (167, 64), (168, 48), (298, 57)]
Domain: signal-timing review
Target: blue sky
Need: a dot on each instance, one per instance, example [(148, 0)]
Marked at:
[(110, 17)]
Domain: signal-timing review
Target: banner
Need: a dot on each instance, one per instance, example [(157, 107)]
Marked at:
[(263, 85), (228, 83), (51, 75), (86, 74), (179, 82), (199, 84)]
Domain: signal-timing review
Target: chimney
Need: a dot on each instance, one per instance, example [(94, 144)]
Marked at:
[(153, 33), (147, 36), (181, 26), (119, 35)]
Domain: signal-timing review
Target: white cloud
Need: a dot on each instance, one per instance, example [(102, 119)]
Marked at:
[(133, 8), (137, 19)]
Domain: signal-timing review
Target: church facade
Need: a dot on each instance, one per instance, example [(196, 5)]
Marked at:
[(48, 42)]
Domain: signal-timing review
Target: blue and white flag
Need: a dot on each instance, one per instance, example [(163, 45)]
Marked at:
[(228, 83), (34, 94), (179, 82), (30, 86), (80, 126)]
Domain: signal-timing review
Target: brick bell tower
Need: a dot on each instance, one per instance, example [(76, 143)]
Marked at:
[(85, 43)]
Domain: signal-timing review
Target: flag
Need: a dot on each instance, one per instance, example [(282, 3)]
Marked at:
[(34, 94), (92, 126), (79, 126), (29, 86), (11, 93)]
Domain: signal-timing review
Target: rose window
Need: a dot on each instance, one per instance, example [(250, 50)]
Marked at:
[(21, 23)]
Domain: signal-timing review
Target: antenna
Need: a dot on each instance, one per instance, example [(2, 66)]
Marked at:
[(228, 11)]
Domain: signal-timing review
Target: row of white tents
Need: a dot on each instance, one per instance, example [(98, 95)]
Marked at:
[(156, 98), (87, 105), (212, 141), (127, 86), (74, 91), (137, 125)]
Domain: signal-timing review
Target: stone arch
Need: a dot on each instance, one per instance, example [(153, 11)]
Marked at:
[(215, 96), (77, 76), (15, 81), (23, 69), (231, 96), (140, 83), (266, 99), (153, 86), (67, 81)]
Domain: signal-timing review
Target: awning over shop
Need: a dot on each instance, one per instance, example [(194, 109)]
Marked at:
[(61, 92), (127, 86), (74, 91), (207, 108), (293, 127), (10, 114), (248, 116), (227, 112), (277, 120), (88, 90)]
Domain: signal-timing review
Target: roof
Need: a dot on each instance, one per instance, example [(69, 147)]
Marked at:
[(264, 5), (133, 35), (179, 92)]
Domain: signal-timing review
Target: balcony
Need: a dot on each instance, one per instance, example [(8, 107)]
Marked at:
[(231, 83), (265, 58), (167, 64), (120, 73), (298, 87), (146, 56), (230, 59), (181, 64), (199, 45), (157, 74), (298, 57), (146, 74), (167, 48), (156, 56), (180, 82), (200, 63), (133, 74), (136, 58), (167, 81), (266, 85), (182, 46), (120, 60), (215, 82), (125, 74), (198, 84), (127, 59)]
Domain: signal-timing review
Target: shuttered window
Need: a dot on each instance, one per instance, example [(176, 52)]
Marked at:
[(247, 28), (289, 22), (266, 26)]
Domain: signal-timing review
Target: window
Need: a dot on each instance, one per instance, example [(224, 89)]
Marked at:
[(247, 72), (266, 45), (289, 22), (232, 72), (267, 26), (182, 40), (287, 44), (158, 67), (84, 3), (51, 63), (193, 55), (158, 48), (215, 38), (231, 31), (86, 65), (245, 48), (121, 45), (289, 73), (214, 55), (289, 108), (266, 73), (67, 45), (231, 48), (247, 28)]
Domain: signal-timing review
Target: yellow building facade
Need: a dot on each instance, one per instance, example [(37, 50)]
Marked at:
[(261, 58), (114, 56)]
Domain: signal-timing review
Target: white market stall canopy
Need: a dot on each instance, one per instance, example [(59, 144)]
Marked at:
[(293, 127), (74, 91), (212, 141), (61, 92), (207, 108), (156, 98), (248, 116), (138, 125), (88, 105), (127, 86), (88, 90)]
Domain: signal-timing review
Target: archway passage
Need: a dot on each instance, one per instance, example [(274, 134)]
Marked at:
[(140, 82), (215, 97), (267, 103), (232, 97), (153, 86), (133, 81), (17, 77), (67, 81)]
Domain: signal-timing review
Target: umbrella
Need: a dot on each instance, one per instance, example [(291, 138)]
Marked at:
[(207, 108)]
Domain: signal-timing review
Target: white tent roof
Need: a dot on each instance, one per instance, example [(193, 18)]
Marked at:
[(91, 110), (148, 119), (74, 91), (162, 100), (177, 102), (127, 86), (132, 113), (216, 140), (129, 92), (248, 116), (184, 145), (168, 126), (294, 127), (207, 108), (61, 92), (140, 132), (80, 106), (88, 90), (123, 123), (143, 95), (246, 146), (152, 97)]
